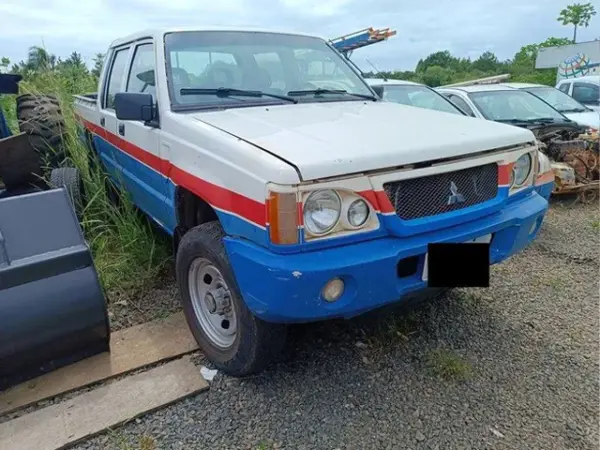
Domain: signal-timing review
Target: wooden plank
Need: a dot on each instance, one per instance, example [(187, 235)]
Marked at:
[(131, 348), (88, 414)]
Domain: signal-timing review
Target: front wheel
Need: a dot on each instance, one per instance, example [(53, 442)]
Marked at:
[(232, 338)]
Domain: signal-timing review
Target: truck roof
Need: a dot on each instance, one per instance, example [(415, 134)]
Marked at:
[(158, 33), (595, 79)]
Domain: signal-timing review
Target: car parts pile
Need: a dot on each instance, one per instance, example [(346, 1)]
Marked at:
[(575, 162)]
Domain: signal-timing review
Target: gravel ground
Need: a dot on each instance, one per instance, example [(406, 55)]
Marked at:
[(514, 366)]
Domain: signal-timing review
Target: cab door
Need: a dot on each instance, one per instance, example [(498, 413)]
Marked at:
[(106, 142), (144, 172)]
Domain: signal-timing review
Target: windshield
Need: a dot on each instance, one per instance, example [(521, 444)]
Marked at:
[(200, 62), (513, 105), (559, 100), (419, 96)]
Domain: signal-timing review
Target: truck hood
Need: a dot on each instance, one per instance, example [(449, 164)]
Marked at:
[(338, 138), (588, 118)]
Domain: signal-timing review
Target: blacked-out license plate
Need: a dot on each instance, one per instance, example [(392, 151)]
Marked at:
[(465, 264)]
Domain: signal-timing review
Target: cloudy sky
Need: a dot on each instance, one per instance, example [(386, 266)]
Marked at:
[(465, 27)]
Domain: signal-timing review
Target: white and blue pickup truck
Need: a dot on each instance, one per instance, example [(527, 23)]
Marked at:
[(294, 193)]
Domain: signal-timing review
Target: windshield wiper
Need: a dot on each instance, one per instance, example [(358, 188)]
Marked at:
[(227, 92), (330, 91), (542, 120), (574, 110)]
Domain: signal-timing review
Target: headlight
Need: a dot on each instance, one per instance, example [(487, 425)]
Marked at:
[(358, 213), (322, 211), (521, 170), (544, 163)]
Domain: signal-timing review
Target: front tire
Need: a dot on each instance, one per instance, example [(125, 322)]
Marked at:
[(232, 338)]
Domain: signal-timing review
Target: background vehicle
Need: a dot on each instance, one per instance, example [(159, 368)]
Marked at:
[(563, 103), (412, 94), (585, 90), (562, 139), (294, 193)]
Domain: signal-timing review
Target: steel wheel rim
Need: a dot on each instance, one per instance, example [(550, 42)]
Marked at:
[(212, 303)]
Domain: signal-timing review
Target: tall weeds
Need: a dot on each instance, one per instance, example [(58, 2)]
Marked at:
[(128, 251)]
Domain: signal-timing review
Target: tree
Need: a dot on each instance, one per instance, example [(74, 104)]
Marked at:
[(98, 62), (4, 63), (74, 60), (437, 76), (38, 59), (487, 62), (442, 59), (578, 15)]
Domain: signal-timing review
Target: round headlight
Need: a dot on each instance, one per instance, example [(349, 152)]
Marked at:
[(522, 169), (358, 213), (322, 211)]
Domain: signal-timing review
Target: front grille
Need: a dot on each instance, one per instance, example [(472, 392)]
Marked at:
[(444, 192)]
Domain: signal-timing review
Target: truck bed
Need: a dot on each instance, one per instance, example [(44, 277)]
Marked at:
[(86, 105), (86, 100)]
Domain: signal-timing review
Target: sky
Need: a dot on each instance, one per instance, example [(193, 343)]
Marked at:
[(466, 28)]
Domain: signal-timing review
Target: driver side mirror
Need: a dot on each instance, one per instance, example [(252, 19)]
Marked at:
[(135, 106)]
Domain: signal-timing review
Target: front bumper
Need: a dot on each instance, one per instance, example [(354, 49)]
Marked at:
[(545, 190), (287, 288)]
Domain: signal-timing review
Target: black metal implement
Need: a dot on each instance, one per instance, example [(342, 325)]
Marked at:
[(52, 309)]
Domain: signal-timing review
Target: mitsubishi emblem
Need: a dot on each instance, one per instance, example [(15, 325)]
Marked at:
[(455, 197)]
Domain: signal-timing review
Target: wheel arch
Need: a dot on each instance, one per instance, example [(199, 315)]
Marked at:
[(190, 210)]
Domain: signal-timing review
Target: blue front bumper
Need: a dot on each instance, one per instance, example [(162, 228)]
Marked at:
[(545, 190), (287, 288)]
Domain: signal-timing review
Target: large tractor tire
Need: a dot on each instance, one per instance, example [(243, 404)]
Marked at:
[(69, 178), (41, 118)]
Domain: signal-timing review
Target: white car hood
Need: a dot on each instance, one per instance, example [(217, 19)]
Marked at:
[(337, 138), (589, 118)]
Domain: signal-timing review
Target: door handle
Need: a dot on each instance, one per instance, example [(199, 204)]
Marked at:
[(122, 129), (102, 121)]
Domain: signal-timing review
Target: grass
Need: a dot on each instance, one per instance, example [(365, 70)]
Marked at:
[(128, 252), (392, 331), (144, 443), (448, 364), (596, 224), (468, 299), (556, 283)]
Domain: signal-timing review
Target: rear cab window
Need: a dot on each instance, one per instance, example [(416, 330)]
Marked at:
[(116, 77)]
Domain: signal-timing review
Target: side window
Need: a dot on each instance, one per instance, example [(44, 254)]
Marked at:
[(586, 93), (461, 104), (142, 76), (564, 87), (115, 79)]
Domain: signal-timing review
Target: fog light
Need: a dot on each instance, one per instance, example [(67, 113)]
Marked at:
[(333, 290)]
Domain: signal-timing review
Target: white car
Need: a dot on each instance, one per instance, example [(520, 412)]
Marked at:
[(562, 103), (411, 94), (505, 104), (585, 90), (292, 192)]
